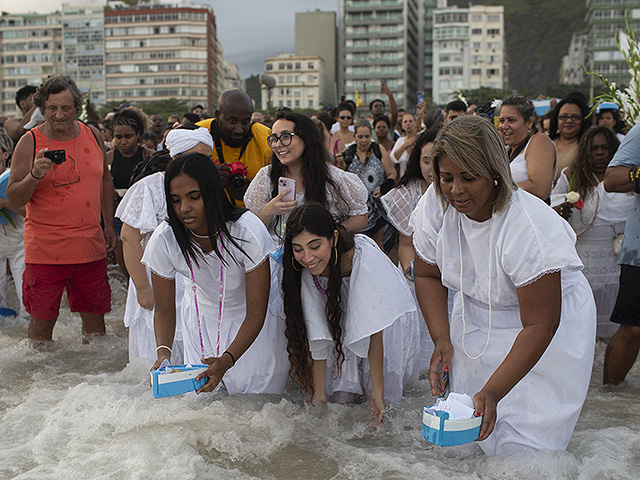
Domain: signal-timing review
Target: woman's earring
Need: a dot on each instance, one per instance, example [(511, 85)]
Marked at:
[(335, 259), (495, 183), (293, 264)]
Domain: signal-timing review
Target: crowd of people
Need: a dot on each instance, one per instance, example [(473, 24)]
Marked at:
[(264, 248)]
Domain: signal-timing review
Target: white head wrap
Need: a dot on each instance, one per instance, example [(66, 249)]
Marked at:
[(180, 140)]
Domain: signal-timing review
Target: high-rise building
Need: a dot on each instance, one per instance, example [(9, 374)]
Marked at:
[(31, 46), (604, 19), (298, 82), (428, 7), (380, 40), (160, 52), (316, 35), (468, 50), (570, 71), (83, 46)]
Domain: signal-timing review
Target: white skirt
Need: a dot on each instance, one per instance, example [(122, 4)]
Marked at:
[(541, 411)]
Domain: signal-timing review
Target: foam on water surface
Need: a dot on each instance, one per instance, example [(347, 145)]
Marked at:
[(76, 411)]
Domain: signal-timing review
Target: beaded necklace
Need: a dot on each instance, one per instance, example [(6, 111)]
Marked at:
[(464, 325), (316, 282), (220, 299)]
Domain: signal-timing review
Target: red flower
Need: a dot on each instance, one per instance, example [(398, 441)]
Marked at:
[(579, 204)]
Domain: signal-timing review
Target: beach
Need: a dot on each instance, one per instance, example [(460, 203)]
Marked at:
[(81, 411)]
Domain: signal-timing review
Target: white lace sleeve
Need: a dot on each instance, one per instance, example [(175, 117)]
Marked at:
[(159, 255), (259, 192), (426, 220), (399, 204), (144, 206), (353, 192)]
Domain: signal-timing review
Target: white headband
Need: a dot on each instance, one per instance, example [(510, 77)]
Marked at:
[(180, 140)]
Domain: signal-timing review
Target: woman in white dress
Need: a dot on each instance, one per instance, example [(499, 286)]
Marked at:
[(532, 155), (351, 327), (221, 250), (142, 209), (299, 154), (601, 219), (522, 331), (400, 203), (404, 145)]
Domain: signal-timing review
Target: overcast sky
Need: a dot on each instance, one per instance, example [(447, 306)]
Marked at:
[(249, 30)]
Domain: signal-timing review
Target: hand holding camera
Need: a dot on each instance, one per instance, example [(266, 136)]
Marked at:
[(234, 179), (44, 161)]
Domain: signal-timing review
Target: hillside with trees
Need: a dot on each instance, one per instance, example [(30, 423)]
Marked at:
[(537, 35)]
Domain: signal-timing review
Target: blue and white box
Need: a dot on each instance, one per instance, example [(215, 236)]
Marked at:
[(439, 430), (180, 379)]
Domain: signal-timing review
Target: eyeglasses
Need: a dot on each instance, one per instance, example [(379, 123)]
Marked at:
[(345, 117), (74, 178), (284, 139), (573, 118)]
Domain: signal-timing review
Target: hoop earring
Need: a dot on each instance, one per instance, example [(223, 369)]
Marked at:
[(335, 259), (293, 264), (495, 183)]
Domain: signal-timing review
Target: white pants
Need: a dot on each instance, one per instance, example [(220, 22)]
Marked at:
[(16, 264)]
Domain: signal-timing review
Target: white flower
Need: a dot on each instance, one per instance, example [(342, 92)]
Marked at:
[(573, 197)]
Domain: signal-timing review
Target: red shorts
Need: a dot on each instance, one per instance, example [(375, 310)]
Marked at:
[(87, 287)]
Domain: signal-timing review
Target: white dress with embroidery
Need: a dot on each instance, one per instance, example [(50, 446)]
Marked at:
[(400, 203), (523, 242), (264, 366), (351, 201), (144, 207), (376, 298), (603, 216)]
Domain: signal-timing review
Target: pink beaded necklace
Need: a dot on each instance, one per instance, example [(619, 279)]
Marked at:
[(220, 300), (316, 282)]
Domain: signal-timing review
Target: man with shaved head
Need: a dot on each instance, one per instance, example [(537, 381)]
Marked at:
[(237, 139)]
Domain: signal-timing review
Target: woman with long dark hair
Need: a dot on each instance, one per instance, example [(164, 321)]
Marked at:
[(351, 323), (220, 250), (299, 154), (601, 219)]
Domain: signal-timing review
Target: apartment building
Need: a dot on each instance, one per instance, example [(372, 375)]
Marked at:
[(468, 50), (604, 19), (298, 81), (83, 47), (380, 40), (31, 46), (159, 52)]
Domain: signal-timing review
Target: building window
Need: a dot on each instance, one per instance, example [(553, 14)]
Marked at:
[(281, 66), (269, 66), (493, 18), (298, 66), (493, 71), (493, 31), (476, 31), (310, 65)]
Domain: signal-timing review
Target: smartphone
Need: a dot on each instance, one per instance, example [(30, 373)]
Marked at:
[(420, 95), (283, 184), (383, 82)]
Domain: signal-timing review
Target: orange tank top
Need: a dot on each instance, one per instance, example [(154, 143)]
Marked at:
[(62, 225)]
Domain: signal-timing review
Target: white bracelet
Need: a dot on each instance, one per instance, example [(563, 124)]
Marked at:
[(164, 346)]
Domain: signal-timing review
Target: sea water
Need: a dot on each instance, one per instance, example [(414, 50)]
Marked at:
[(82, 411)]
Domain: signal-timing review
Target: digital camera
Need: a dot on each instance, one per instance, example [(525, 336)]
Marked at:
[(237, 175), (56, 156)]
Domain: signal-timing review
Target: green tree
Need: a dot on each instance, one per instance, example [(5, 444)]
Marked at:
[(252, 84), (169, 106)]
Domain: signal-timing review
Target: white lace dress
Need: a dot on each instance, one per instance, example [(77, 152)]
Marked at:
[(264, 366), (512, 249), (400, 203), (376, 298), (351, 200), (144, 207), (603, 216)]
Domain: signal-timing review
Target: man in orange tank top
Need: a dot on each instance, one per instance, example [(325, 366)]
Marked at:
[(59, 172)]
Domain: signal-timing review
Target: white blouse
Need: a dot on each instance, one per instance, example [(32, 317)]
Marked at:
[(351, 201)]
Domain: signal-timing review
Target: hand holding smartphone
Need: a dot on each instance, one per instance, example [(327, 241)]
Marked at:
[(287, 183)]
